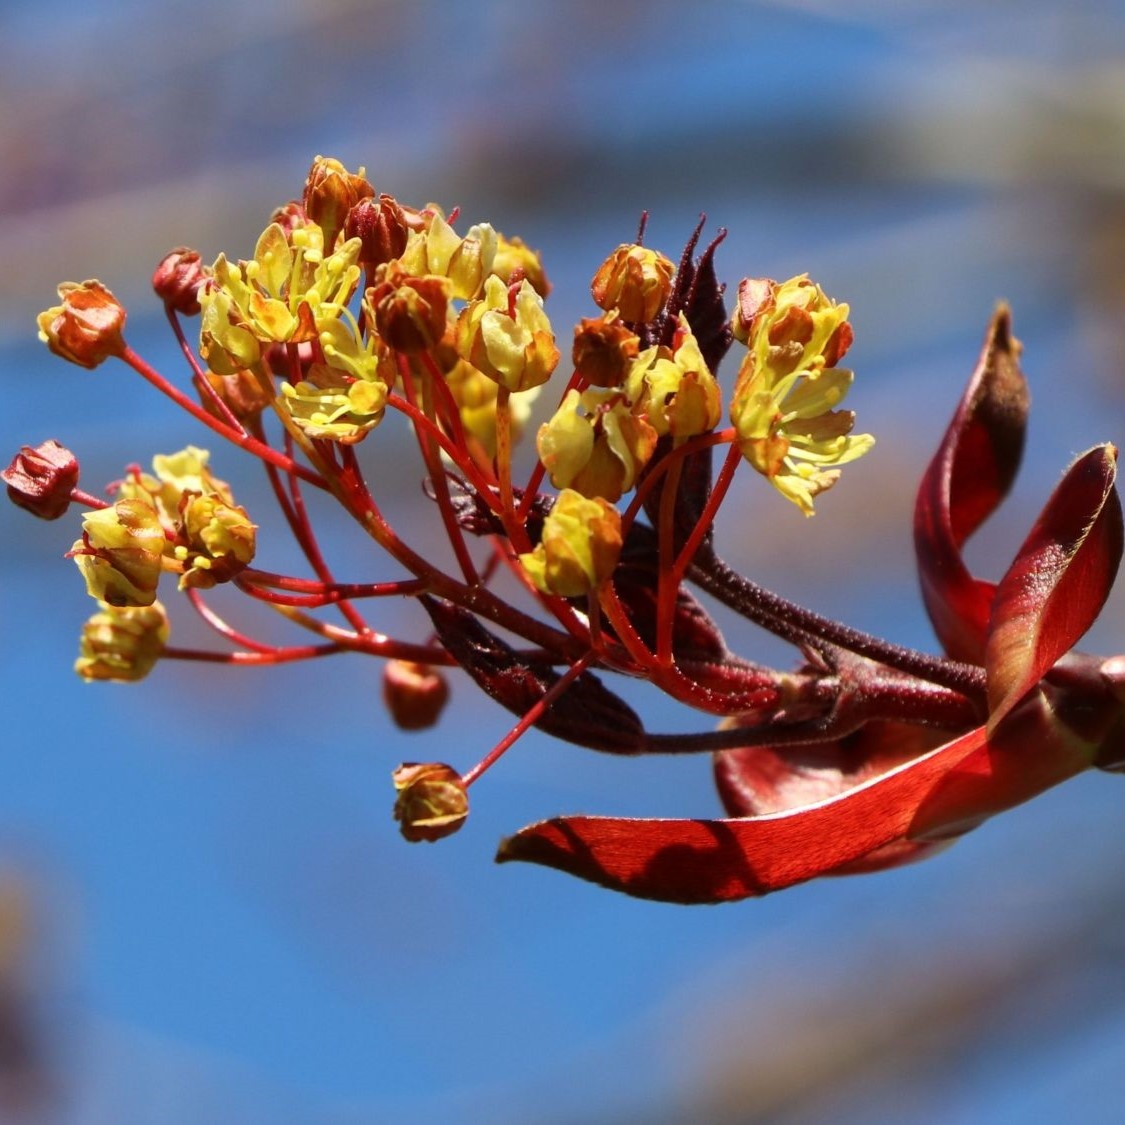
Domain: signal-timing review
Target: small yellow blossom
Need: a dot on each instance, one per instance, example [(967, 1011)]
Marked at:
[(788, 385), (122, 644), (439, 250), (598, 452), (120, 553), (673, 389), (579, 547), (512, 255), (285, 294), (508, 336), (218, 541), (329, 406)]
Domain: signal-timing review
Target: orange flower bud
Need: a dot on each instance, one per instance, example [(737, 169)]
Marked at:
[(432, 802), (415, 694), (410, 312), (243, 392), (86, 328), (331, 191), (40, 480), (380, 225), (634, 280), (604, 349), (178, 279)]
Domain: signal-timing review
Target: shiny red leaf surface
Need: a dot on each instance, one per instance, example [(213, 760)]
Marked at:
[(707, 861), (968, 477), (1058, 582)]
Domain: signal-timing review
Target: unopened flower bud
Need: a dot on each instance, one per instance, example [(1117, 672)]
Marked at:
[(415, 694), (410, 312), (87, 327), (432, 801), (120, 554), (178, 279), (380, 225), (579, 547), (634, 280), (604, 349), (122, 644), (331, 191), (219, 541), (40, 480)]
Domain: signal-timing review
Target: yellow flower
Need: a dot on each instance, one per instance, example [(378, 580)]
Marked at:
[(328, 406), (788, 386), (599, 452), (508, 336), (579, 547), (218, 541), (514, 254), (175, 474), (439, 250), (285, 294), (673, 389), (120, 553), (122, 644)]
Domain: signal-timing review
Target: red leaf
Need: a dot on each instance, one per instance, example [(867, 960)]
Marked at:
[(754, 780), (968, 477), (700, 861), (1058, 582)]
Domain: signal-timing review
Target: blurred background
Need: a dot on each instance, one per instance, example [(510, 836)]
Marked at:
[(206, 913)]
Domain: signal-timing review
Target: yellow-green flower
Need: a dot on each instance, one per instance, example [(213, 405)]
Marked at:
[(595, 444), (175, 474), (218, 541), (439, 250), (673, 389), (508, 338), (285, 294), (579, 547), (787, 388), (328, 406), (122, 644), (121, 551)]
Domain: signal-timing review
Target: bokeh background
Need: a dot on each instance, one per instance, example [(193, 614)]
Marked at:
[(206, 913)]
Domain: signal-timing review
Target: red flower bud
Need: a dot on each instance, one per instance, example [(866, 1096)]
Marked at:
[(380, 225), (178, 279), (42, 479), (415, 694)]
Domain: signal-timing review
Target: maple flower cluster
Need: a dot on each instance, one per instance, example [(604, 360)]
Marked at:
[(355, 309)]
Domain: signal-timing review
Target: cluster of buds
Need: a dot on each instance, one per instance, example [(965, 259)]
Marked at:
[(355, 308)]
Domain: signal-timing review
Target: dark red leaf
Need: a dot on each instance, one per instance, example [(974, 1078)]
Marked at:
[(754, 780), (968, 477), (587, 713), (701, 861), (1058, 582)]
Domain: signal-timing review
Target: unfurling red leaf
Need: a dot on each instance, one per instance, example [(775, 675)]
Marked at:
[(968, 477), (701, 861), (754, 780), (1058, 582), (587, 714)]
